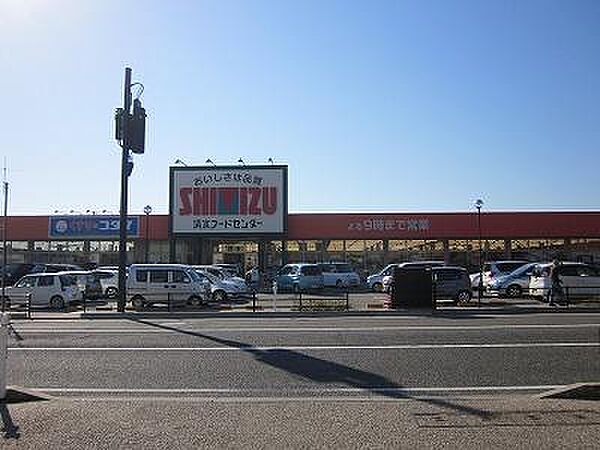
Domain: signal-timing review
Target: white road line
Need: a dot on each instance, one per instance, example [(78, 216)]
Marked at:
[(306, 348), (306, 329), (295, 390)]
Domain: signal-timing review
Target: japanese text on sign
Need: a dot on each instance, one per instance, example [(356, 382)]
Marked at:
[(380, 224)]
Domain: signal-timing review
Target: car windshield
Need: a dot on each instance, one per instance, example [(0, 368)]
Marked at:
[(194, 276)]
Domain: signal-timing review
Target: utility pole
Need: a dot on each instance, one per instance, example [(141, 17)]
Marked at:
[(4, 228), (478, 205), (130, 133)]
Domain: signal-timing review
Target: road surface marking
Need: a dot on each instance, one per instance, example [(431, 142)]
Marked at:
[(303, 329), (306, 348), (304, 389)]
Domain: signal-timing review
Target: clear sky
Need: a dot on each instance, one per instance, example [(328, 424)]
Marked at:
[(374, 105)]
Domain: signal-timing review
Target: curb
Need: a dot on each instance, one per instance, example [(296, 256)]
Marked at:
[(458, 312)]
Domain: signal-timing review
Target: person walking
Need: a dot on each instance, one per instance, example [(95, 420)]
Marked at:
[(556, 292), (253, 277)]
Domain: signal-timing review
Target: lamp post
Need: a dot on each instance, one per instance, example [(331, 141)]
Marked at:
[(4, 229), (478, 205), (147, 211)]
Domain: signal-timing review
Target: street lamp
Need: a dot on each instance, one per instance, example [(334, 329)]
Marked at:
[(478, 205), (147, 211)]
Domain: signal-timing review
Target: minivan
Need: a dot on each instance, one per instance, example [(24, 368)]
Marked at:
[(56, 290), (451, 282), (337, 274), (299, 277), (388, 280), (175, 284), (578, 280)]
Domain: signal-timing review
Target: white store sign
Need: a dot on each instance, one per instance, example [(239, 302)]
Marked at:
[(229, 200)]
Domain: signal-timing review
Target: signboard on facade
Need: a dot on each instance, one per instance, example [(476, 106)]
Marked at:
[(229, 200), (90, 227)]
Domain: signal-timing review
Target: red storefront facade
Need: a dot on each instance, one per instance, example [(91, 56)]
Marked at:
[(368, 240)]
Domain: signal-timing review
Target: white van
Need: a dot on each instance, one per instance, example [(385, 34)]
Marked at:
[(176, 284), (56, 290), (578, 280)]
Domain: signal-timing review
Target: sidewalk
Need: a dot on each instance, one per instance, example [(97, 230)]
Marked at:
[(470, 423)]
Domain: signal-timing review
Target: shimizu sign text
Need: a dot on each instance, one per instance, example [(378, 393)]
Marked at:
[(229, 200)]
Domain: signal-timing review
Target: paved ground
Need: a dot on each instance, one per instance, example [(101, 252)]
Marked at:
[(454, 379)]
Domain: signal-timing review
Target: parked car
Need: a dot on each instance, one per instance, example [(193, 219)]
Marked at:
[(578, 280), (88, 284), (232, 270), (375, 281), (54, 268), (300, 277), (14, 272), (223, 289), (223, 275), (450, 282), (495, 269), (388, 280), (336, 274), (56, 290), (177, 284), (514, 284), (109, 280)]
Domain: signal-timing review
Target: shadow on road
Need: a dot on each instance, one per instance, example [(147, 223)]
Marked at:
[(323, 371)]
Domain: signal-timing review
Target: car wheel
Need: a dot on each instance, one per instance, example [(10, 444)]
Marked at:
[(514, 290), (138, 302), (111, 292), (463, 297), (195, 301), (57, 302), (219, 296), (377, 287)]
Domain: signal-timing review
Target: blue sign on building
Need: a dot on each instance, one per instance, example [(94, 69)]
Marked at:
[(90, 227)]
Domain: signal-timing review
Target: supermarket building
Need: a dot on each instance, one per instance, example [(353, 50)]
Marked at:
[(239, 215)]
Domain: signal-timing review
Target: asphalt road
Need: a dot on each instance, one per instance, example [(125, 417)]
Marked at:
[(307, 356), (324, 369)]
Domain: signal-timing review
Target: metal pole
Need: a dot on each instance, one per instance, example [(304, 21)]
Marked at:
[(480, 290), (147, 237), (4, 249), (123, 210)]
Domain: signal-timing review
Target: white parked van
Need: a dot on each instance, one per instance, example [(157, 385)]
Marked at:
[(578, 280), (55, 290), (176, 284)]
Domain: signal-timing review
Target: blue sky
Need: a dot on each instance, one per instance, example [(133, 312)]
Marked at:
[(374, 105)]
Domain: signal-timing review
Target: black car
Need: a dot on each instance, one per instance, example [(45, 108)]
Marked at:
[(14, 272)]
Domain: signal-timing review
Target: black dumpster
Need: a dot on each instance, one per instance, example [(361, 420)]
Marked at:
[(412, 288)]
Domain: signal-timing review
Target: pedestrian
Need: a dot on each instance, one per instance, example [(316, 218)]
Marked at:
[(253, 277), (556, 293)]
